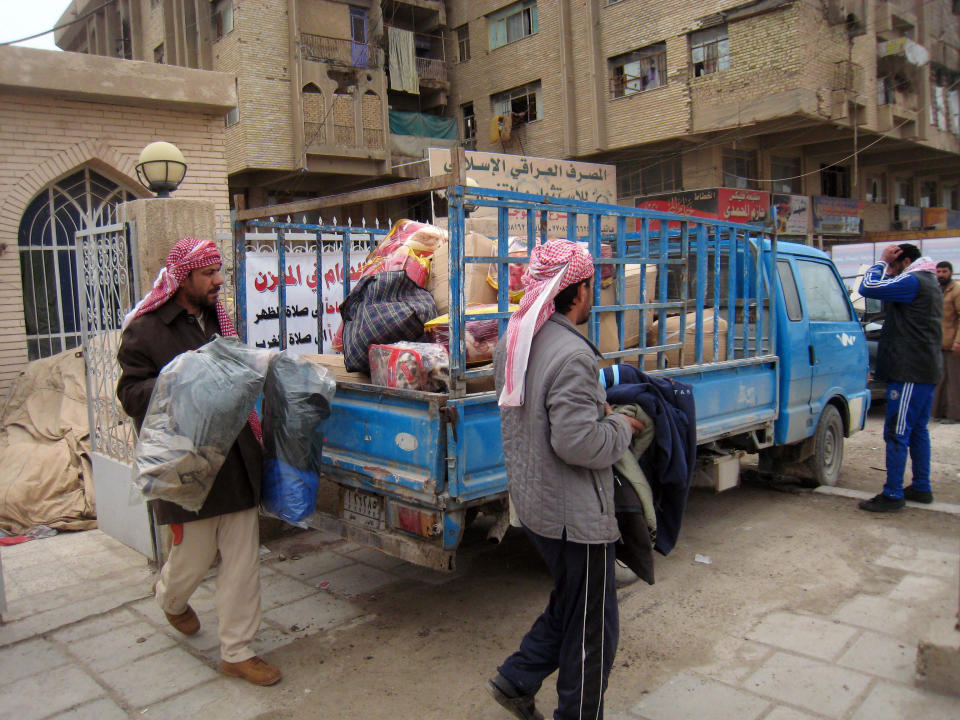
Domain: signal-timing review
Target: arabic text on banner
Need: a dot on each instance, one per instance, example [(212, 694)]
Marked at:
[(302, 281)]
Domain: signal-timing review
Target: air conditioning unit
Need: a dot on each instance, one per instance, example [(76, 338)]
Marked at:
[(851, 13)]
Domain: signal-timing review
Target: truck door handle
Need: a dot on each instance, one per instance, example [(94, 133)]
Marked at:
[(813, 355)]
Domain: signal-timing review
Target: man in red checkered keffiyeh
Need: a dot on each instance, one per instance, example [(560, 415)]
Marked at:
[(181, 313), (553, 266)]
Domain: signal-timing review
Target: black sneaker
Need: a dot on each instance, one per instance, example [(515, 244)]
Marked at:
[(882, 503), (520, 706), (919, 496)]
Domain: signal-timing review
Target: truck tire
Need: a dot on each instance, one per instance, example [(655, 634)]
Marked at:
[(827, 456)]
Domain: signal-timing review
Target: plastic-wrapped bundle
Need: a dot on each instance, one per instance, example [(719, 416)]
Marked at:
[(296, 401), (200, 403), (414, 366), (480, 336)]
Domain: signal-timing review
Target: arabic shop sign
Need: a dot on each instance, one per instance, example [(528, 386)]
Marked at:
[(941, 218), (793, 214), (588, 182), (909, 217), (302, 282), (837, 216), (743, 206), (730, 204)]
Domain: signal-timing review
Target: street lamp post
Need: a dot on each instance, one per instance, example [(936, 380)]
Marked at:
[(161, 168)]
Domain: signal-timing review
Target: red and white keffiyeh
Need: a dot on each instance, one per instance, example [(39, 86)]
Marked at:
[(186, 255), (553, 266)]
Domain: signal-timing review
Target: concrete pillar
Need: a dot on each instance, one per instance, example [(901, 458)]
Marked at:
[(158, 223)]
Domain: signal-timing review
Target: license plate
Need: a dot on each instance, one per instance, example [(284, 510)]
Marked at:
[(363, 509)]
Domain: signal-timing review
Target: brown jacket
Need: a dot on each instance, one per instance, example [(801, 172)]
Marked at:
[(951, 315), (149, 343)]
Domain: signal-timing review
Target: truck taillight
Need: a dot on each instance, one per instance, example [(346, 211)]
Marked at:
[(424, 523)]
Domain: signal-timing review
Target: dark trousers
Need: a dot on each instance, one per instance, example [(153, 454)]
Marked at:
[(946, 399), (577, 634)]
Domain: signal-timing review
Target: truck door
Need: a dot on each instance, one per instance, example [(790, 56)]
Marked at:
[(795, 416), (836, 348)]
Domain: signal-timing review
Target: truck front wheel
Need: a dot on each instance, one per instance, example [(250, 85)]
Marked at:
[(827, 456)]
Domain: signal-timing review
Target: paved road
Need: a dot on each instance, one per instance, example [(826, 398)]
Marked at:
[(808, 608)]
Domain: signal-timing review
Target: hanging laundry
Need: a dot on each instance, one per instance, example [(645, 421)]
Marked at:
[(403, 62)]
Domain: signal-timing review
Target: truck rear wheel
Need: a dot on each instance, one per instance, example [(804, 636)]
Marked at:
[(827, 456)]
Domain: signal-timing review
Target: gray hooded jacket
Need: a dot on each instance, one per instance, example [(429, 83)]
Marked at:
[(559, 446)]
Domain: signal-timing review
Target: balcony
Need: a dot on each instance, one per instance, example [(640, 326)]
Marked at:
[(337, 51), (431, 71)]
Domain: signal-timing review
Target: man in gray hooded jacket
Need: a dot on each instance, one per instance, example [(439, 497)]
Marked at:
[(560, 441)]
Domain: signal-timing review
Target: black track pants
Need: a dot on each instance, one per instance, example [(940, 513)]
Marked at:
[(577, 633)]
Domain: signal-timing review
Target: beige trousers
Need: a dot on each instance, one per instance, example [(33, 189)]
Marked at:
[(237, 537)]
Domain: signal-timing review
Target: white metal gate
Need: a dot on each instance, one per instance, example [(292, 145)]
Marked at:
[(107, 282)]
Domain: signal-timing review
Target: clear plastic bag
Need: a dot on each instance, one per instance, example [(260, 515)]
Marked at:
[(296, 401), (199, 405), (410, 365)]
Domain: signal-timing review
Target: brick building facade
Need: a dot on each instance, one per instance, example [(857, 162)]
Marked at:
[(72, 127), (856, 100)]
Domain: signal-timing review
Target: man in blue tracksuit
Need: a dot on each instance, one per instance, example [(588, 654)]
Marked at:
[(908, 359)]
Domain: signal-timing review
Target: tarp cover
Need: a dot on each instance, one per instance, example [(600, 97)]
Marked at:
[(422, 125), (47, 478)]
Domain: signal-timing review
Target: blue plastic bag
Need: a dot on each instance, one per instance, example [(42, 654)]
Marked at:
[(296, 401)]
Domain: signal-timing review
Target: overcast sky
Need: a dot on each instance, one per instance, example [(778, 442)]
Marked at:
[(19, 18)]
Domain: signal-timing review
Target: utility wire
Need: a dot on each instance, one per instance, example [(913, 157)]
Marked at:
[(80, 18)]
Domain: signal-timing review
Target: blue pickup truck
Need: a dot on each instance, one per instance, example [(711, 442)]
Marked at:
[(763, 331)]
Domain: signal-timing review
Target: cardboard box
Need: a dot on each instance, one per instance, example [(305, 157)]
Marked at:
[(690, 340), (475, 287), (631, 320), (334, 363)]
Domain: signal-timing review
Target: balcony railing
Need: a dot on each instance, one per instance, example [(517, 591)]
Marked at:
[(431, 69), (338, 51), (343, 135)]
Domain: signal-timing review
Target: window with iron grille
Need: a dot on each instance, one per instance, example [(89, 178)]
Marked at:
[(512, 23), (661, 175), (640, 70), (709, 50), (523, 103), (469, 123), (48, 257), (739, 169), (903, 191), (785, 173), (222, 18), (463, 43)]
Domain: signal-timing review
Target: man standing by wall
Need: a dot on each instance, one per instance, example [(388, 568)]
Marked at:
[(559, 441), (908, 359), (181, 313), (946, 400)]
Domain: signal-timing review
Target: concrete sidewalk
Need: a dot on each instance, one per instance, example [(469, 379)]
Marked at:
[(83, 638)]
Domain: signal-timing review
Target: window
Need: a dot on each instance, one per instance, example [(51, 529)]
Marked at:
[(903, 191), (48, 260), (222, 18), (469, 123), (785, 173), (661, 176), (522, 103), (232, 117), (951, 197), (463, 43), (709, 51), (825, 295), (790, 296), (739, 169), (512, 23), (928, 193), (158, 54), (835, 181), (640, 70), (876, 189)]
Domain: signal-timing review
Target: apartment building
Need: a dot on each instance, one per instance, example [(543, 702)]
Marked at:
[(331, 94), (844, 114)]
